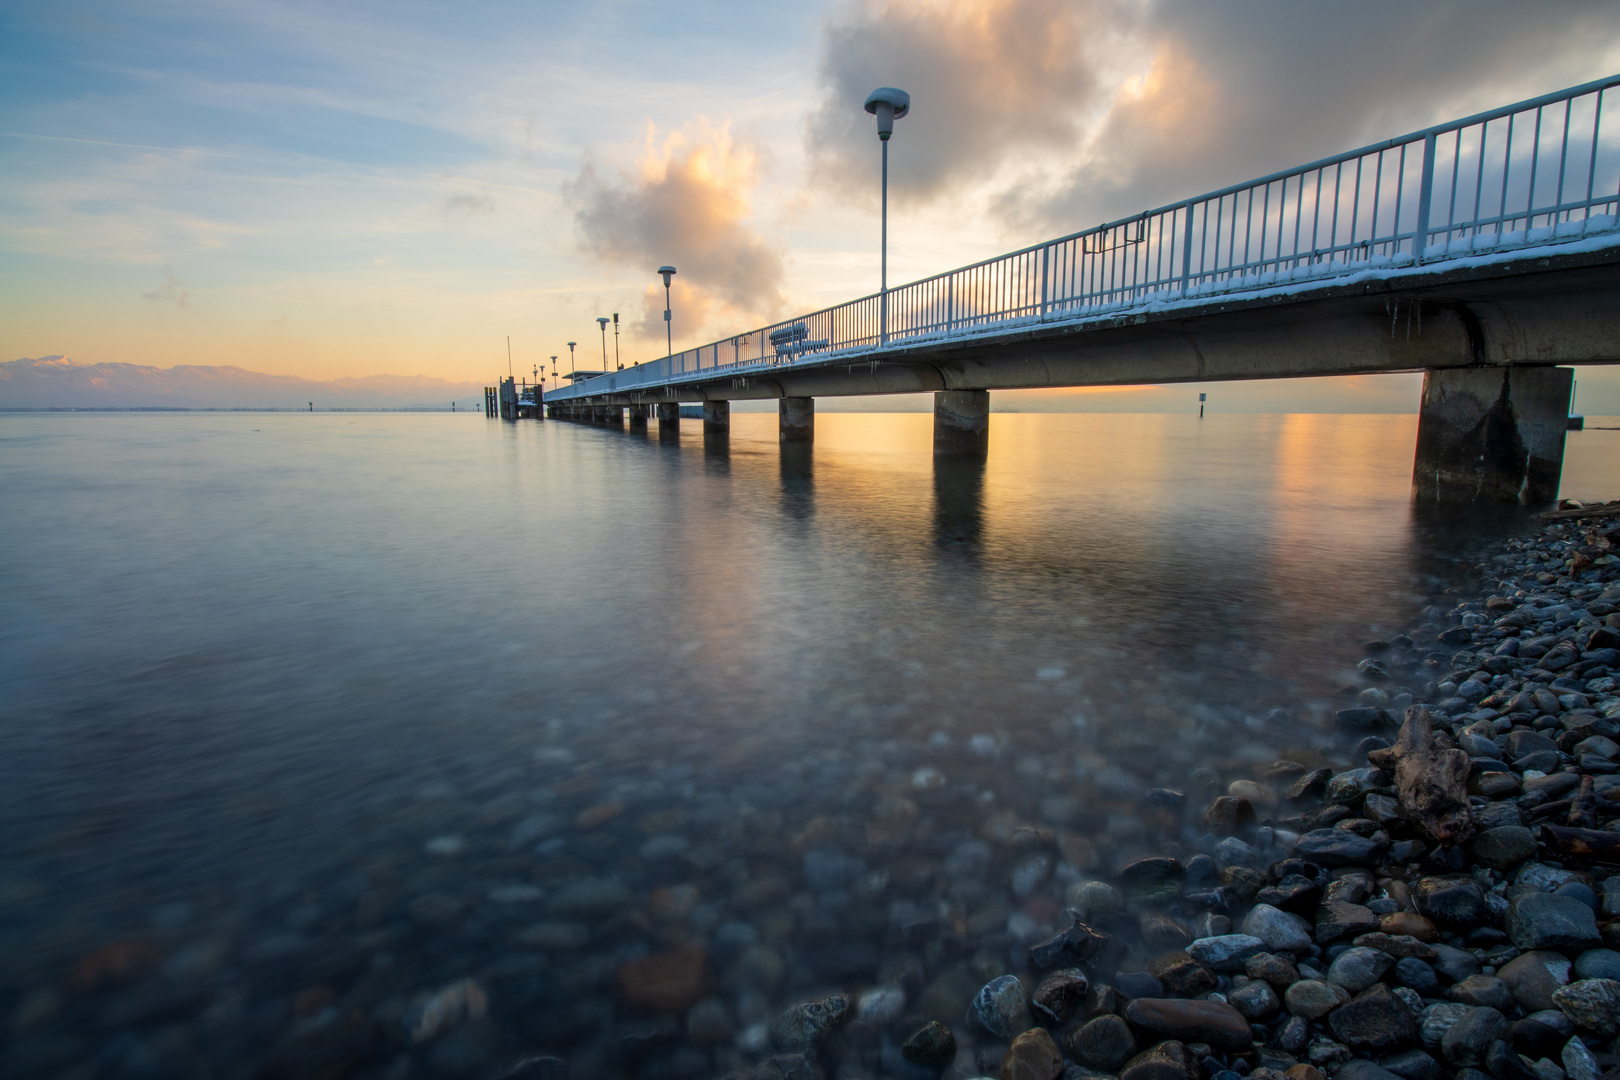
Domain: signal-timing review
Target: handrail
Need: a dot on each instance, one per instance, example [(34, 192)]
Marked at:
[(1307, 223)]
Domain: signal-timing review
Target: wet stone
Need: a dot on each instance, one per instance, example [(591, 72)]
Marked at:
[(931, 1045), (1256, 1001), (1103, 999), (1103, 1043), (1483, 990), (1598, 964), (1293, 1034), (1243, 882), (1351, 888), (1337, 847), (1504, 847), (1032, 1056), (808, 1024), (1314, 998), (1408, 924), (1068, 948), (1212, 1022), (1094, 899), (1413, 1064), (1167, 1060), (1551, 921), (1059, 996), (1138, 984), (1450, 899), (1001, 1007), (1414, 974), (1578, 1061), (1533, 976), (1226, 814), (1280, 930), (1150, 873), (1470, 1037), (1227, 952), (1399, 946), (1454, 963), (1340, 920), (1294, 892), (881, 1005), (1535, 1039), (1309, 786), (1593, 1004), (1181, 975), (1279, 971), (1435, 1020), (1356, 969), (1502, 1063)]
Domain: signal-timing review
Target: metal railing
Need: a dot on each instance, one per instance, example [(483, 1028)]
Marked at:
[(1542, 171)]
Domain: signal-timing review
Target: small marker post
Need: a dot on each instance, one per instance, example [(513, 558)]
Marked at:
[(1201, 398)]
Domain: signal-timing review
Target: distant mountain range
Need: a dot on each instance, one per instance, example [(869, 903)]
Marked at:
[(55, 382)]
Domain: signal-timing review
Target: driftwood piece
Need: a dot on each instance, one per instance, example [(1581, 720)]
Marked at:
[(1589, 843), (1562, 807), (1430, 782), (1609, 509), (1583, 808)]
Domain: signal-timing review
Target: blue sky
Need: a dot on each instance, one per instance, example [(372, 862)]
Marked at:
[(329, 190)]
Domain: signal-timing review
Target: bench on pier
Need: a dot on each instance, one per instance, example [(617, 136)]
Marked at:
[(789, 341)]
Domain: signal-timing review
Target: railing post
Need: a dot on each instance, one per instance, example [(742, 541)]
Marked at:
[(1046, 253), (1186, 252), (1420, 239)]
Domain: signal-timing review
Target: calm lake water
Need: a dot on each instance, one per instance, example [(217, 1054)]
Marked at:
[(304, 718)]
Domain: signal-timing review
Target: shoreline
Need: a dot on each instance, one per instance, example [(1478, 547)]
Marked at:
[(1443, 907)]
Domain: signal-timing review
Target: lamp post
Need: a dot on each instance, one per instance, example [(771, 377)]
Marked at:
[(616, 360), (888, 105), (669, 347), (602, 322)]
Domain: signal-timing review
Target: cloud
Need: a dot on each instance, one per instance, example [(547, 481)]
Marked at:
[(464, 203), (1238, 90), (687, 205), (1058, 114), (987, 80), (172, 291)]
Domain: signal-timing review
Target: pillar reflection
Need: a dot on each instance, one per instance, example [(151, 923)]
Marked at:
[(958, 501), (798, 488)]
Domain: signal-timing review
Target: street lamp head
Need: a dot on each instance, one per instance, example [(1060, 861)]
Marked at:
[(666, 271), (888, 105), (602, 322)]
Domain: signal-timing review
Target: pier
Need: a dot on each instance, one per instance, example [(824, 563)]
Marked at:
[(1484, 252)]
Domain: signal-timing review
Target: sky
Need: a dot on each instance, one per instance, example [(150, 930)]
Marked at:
[(349, 189)]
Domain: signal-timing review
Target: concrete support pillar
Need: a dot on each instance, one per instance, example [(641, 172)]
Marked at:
[(613, 415), (669, 415), (1492, 434), (796, 419), (638, 417), (961, 421), (717, 418)]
